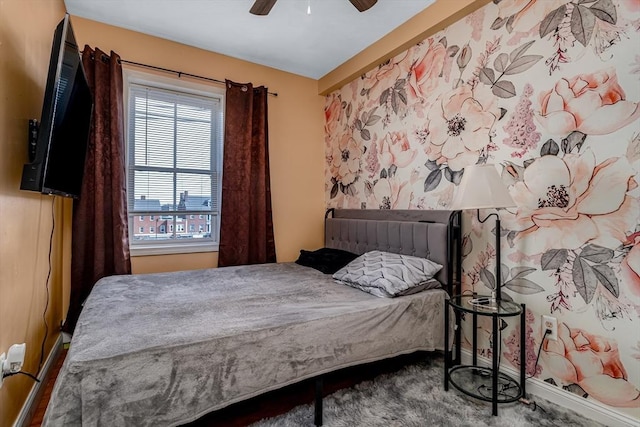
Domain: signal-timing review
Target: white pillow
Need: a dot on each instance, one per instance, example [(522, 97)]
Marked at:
[(389, 275)]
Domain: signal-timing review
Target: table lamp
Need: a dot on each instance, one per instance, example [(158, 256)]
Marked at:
[(481, 188)]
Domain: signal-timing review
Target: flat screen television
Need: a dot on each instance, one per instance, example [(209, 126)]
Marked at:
[(58, 145)]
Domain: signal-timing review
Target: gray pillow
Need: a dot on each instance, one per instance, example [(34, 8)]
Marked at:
[(389, 275)]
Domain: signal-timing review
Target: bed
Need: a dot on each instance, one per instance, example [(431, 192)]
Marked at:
[(165, 349)]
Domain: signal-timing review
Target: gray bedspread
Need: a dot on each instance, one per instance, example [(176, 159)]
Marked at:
[(164, 349)]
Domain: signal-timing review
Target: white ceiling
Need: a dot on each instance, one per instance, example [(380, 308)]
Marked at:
[(287, 39)]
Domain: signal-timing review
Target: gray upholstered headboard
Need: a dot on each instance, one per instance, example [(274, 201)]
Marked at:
[(434, 234)]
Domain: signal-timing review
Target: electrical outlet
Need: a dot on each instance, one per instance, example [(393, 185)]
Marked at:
[(2, 358), (551, 323)]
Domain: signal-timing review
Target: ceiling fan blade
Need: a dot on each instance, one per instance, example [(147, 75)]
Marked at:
[(262, 7), (363, 5)]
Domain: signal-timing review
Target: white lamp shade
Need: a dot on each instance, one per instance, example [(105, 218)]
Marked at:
[(481, 187)]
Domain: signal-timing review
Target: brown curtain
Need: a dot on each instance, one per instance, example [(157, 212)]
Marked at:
[(100, 241), (246, 225)]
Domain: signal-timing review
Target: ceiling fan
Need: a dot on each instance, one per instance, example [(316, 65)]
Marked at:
[(263, 7)]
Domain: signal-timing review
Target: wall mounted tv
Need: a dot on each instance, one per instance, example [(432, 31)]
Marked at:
[(58, 145)]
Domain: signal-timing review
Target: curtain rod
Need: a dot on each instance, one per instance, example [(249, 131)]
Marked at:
[(180, 73)]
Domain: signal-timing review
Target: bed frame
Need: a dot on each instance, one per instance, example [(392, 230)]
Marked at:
[(167, 360), (432, 234)]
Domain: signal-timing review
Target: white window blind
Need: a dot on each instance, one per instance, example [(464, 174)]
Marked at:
[(174, 166)]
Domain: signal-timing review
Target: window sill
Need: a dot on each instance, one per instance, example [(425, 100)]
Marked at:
[(172, 249)]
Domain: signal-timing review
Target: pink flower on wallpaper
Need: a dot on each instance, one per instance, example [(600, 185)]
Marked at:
[(593, 104), (527, 14), (630, 266), (459, 125), (520, 128), (385, 76), (592, 362), (332, 114), (564, 203), (345, 160), (396, 150), (390, 193), (425, 71)]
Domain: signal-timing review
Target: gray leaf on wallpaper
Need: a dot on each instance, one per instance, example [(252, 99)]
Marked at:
[(372, 120), (431, 165), (597, 254), (504, 272), (403, 96), (584, 278), (509, 26), (553, 259), (583, 21), (334, 190), (453, 176), (523, 286), (549, 147), (522, 64), (501, 62), (487, 278), (607, 278), (519, 51), (605, 10), (574, 140), (487, 76), (521, 271), (498, 23), (432, 180), (552, 21), (504, 89), (453, 51), (384, 96)]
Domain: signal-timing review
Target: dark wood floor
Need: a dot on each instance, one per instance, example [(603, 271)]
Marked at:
[(269, 404)]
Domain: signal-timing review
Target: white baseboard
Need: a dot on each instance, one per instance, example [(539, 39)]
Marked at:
[(585, 407), (31, 405)]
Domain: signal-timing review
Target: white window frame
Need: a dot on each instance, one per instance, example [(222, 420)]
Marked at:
[(178, 85)]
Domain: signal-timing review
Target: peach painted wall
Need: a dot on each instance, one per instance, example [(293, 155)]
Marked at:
[(295, 134), (26, 33)]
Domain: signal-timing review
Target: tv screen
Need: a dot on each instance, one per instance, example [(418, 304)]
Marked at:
[(56, 160)]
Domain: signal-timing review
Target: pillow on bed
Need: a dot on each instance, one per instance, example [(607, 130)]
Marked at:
[(389, 275), (327, 260)]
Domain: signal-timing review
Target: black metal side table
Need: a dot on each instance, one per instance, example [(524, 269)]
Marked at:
[(488, 384)]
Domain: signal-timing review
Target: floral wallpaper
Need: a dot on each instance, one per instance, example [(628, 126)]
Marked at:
[(548, 91)]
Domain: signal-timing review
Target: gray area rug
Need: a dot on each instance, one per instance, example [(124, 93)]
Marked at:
[(415, 396)]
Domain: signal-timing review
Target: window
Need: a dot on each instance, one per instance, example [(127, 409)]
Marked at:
[(174, 163), (141, 230), (141, 218)]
